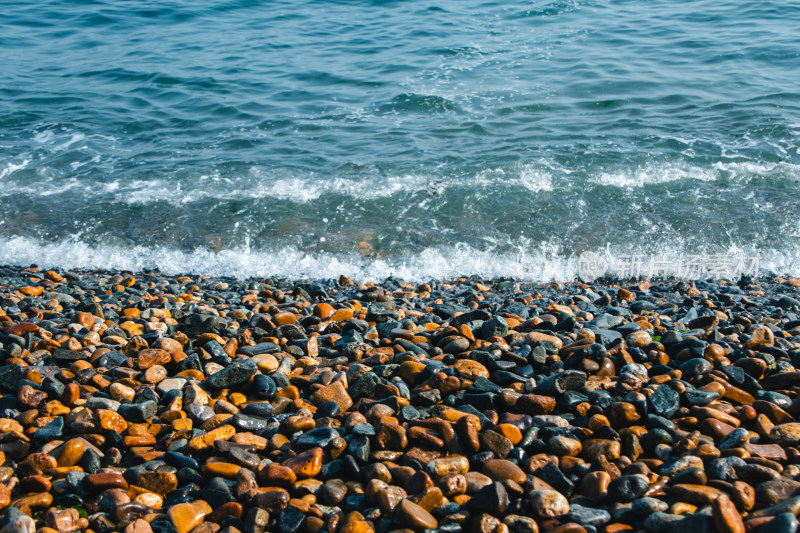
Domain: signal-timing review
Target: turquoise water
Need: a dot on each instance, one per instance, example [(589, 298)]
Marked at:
[(418, 139)]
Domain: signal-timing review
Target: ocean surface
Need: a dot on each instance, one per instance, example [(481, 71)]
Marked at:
[(416, 139)]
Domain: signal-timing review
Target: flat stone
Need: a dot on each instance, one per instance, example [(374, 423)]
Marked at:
[(159, 482), (627, 488), (502, 470), (775, 491), (138, 412), (782, 523), (185, 516), (239, 372), (548, 503), (535, 404), (725, 515), (561, 445), (65, 521), (496, 443), (588, 515), (71, 452), (306, 464), (562, 382), (696, 494), (334, 392), (594, 485), (391, 436), (470, 369), (665, 401), (786, 434), (151, 357), (138, 526), (104, 481), (454, 464), (412, 515)]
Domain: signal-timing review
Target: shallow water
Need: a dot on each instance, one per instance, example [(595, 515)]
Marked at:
[(416, 139)]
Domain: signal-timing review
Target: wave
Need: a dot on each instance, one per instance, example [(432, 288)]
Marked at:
[(541, 263), (26, 178)]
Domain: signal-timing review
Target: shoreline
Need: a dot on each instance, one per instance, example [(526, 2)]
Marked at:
[(143, 402)]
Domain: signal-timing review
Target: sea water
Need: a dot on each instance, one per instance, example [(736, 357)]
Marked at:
[(417, 139)]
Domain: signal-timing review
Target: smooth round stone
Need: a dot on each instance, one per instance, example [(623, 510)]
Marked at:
[(456, 346), (185, 516), (521, 524), (180, 460), (274, 474), (334, 392), (327, 409), (332, 492), (635, 369), (263, 386), (661, 521), (782, 523), (53, 430), (306, 464), (454, 464), (627, 488), (725, 515), (781, 400), (476, 481), (638, 339), (735, 439), (610, 449), (470, 369), (687, 461), (414, 516), (71, 452), (548, 503), (561, 445), (588, 516), (321, 437), (694, 475), (364, 429), (786, 434), (159, 482), (694, 494), (622, 414), (646, 506), (776, 490), (700, 397), (503, 469), (496, 443), (595, 484), (696, 367), (259, 409)]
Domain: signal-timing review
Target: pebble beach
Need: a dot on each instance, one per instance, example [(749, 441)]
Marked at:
[(139, 402), (581, 223)]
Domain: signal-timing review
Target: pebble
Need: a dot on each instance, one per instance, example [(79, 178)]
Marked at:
[(549, 503), (725, 515), (503, 470), (201, 405), (414, 516), (185, 516), (786, 434)]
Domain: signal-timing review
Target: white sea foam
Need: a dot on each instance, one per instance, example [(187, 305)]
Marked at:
[(258, 183), (656, 173), (535, 178), (537, 263), (10, 168), (652, 174)]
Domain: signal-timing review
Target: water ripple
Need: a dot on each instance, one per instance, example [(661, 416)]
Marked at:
[(511, 127)]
